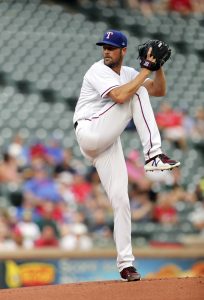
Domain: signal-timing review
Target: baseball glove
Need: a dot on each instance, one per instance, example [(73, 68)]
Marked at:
[(160, 51)]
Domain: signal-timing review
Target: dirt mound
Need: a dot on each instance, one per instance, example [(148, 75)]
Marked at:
[(147, 289)]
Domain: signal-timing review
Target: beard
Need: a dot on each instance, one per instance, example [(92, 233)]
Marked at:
[(109, 62)]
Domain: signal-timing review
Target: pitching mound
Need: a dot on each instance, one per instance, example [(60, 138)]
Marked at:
[(159, 289)]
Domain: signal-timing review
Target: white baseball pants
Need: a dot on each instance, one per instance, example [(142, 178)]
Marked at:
[(99, 141)]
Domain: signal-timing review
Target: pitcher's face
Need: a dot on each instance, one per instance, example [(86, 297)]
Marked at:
[(113, 56)]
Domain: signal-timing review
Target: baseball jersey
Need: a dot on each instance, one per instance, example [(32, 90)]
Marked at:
[(98, 81)]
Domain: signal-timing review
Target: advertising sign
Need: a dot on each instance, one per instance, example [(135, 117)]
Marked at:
[(27, 273), (16, 273)]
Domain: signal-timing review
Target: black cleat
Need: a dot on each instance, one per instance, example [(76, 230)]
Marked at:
[(130, 274)]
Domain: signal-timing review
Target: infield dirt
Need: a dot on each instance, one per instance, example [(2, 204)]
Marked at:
[(147, 289)]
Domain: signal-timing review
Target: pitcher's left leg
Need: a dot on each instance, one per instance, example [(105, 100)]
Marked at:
[(148, 131), (145, 123)]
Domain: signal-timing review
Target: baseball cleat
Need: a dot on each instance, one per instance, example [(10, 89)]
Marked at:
[(160, 162), (130, 274)]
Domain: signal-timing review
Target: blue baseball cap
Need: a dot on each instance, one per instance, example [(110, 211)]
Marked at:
[(113, 38)]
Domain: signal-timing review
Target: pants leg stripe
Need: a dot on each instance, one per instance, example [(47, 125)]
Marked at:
[(150, 136)]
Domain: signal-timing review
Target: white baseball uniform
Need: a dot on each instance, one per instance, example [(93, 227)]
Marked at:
[(100, 122)]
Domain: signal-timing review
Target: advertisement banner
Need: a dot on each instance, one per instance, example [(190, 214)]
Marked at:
[(21, 273), (15, 273), (77, 270)]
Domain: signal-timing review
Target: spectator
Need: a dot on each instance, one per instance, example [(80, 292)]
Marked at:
[(97, 191), (135, 166), (183, 7), (146, 186), (81, 188), (49, 216), (200, 190), (197, 218), (170, 122), (74, 234), (179, 194), (27, 205), (18, 150), (54, 153), (74, 204), (66, 164), (64, 182), (145, 6), (41, 187), (6, 242), (164, 211), (198, 129), (188, 124), (98, 225), (133, 4), (9, 170), (198, 6), (141, 206), (48, 238), (37, 151), (17, 238), (29, 230)]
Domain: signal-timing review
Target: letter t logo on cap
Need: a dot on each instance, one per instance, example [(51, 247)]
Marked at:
[(109, 33)]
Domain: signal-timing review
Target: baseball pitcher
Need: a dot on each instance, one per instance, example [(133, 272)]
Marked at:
[(111, 95)]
